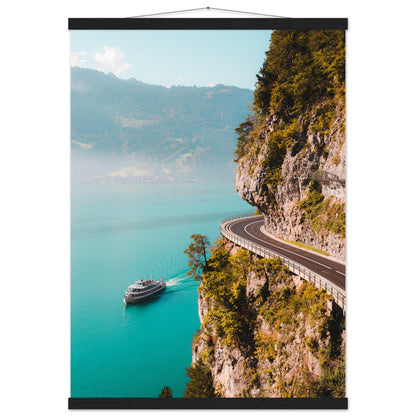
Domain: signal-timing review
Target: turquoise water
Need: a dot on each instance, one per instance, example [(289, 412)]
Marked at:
[(121, 233)]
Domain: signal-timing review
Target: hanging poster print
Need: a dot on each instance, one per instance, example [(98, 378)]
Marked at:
[(208, 213)]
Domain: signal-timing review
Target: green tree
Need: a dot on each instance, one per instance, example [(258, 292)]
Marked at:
[(200, 381), (302, 67), (166, 392), (243, 131), (197, 254), (301, 82)]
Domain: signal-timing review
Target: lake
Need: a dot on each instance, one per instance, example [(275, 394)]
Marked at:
[(121, 233)]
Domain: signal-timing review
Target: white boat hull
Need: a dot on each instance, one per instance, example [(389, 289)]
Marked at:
[(143, 298)]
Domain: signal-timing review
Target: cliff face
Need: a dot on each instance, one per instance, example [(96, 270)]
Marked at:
[(266, 333), (321, 158), (291, 150)]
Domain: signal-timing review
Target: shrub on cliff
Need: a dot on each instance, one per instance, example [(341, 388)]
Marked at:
[(224, 286), (166, 393), (323, 214), (200, 383)]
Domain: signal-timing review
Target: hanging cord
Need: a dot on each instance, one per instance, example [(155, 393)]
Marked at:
[(206, 8)]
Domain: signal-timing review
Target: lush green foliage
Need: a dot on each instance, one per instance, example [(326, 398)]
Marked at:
[(329, 216), (301, 68), (200, 383), (279, 141), (324, 116), (224, 285), (313, 198), (323, 214), (286, 304), (301, 81), (197, 254)]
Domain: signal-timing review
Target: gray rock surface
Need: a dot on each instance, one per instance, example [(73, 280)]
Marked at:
[(322, 156)]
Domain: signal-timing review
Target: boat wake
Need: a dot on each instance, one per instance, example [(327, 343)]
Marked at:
[(176, 281)]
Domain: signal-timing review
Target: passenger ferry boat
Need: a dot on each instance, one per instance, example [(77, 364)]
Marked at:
[(142, 290)]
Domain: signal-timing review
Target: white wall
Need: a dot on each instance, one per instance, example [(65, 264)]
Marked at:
[(35, 228)]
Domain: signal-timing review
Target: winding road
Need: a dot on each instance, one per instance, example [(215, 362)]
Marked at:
[(250, 229)]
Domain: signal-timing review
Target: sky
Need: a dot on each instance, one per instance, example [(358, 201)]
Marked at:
[(174, 57)]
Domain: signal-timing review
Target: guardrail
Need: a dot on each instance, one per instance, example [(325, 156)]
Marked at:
[(303, 272)]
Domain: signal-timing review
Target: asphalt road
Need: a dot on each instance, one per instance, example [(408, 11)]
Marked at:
[(249, 228)]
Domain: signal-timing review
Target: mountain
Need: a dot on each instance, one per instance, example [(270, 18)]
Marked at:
[(129, 131)]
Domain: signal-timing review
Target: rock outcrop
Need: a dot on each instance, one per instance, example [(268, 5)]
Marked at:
[(291, 149), (322, 158), (285, 340)]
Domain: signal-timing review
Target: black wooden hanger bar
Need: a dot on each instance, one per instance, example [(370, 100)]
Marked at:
[(207, 23)]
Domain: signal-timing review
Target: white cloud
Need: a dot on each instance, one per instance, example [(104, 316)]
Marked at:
[(78, 58), (179, 76), (83, 145), (111, 59), (130, 171)]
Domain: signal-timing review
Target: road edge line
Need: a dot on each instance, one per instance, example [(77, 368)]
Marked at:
[(262, 229)]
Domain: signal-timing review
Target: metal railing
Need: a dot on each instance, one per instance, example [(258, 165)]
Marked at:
[(303, 272)]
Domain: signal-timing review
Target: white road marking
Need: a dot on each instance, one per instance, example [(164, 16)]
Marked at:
[(340, 272), (280, 248)]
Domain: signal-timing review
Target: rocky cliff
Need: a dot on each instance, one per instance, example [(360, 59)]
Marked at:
[(266, 333), (291, 153), (322, 162)]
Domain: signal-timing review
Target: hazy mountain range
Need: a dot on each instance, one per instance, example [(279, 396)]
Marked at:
[(129, 131)]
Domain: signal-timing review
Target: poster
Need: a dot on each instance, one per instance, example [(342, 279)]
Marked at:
[(208, 213)]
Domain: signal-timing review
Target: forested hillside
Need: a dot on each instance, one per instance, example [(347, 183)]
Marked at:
[(125, 130)]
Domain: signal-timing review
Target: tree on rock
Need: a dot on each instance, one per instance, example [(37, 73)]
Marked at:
[(197, 254), (201, 381), (166, 392)]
